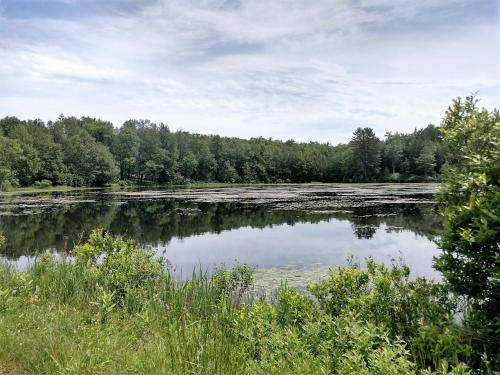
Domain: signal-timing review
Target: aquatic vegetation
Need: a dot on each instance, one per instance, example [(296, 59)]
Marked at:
[(56, 221), (114, 308)]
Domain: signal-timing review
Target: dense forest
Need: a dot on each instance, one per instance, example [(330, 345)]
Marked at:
[(92, 152)]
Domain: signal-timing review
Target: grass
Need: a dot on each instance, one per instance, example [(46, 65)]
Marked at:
[(114, 309)]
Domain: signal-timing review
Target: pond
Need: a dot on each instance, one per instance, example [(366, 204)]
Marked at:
[(283, 230)]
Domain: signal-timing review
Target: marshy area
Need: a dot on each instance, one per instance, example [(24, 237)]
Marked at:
[(282, 230)]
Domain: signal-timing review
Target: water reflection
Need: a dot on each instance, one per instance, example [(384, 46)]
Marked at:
[(156, 222)]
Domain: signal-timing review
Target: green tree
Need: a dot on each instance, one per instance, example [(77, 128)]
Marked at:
[(426, 161), (471, 197), (11, 156), (393, 151), (170, 156), (227, 173), (105, 170), (102, 131), (125, 149), (365, 147), (146, 151), (188, 165), (90, 163), (206, 163)]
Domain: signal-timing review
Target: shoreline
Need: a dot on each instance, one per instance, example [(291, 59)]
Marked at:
[(197, 185)]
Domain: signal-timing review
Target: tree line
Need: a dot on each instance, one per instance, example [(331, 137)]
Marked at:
[(91, 152)]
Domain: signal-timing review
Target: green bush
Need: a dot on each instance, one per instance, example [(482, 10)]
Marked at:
[(114, 308), (388, 298), (470, 200), (8, 179), (236, 280), (118, 264), (43, 184), (394, 177), (293, 308)]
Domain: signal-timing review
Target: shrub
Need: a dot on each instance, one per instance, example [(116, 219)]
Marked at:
[(114, 308), (470, 198), (43, 184), (342, 289), (394, 177), (388, 298), (234, 281), (293, 308), (7, 179), (118, 264)]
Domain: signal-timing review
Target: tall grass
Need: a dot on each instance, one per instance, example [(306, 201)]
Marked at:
[(114, 309), (54, 321)]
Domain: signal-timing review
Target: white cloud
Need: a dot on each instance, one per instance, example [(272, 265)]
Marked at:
[(286, 69)]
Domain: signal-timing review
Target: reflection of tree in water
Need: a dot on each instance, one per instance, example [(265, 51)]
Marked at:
[(156, 222), (364, 231), (423, 220)]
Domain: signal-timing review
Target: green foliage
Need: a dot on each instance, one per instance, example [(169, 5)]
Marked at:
[(43, 184), (237, 279), (11, 159), (403, 307), (394, 177), (114, 308), (293, 308), (118, 264), (366, 153), (7, 179), (90, 152), (426, 161), (343, 287), (470, 195), (90, 163), (418, 156)]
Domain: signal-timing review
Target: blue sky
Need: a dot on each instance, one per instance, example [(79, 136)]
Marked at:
[(307, 70)]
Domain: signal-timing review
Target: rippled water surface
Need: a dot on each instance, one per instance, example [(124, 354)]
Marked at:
[(289, 230)]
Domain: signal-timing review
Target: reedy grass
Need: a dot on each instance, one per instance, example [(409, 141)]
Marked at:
[(52, 322), (111, 310)]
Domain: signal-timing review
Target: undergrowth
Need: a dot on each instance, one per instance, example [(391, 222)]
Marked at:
[(113, 308)]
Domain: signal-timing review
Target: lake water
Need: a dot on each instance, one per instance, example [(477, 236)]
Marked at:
[(283, 230)]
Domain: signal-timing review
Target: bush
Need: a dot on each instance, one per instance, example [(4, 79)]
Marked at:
[(394, 177), (234, 281), (114, 308), (470, 198), (389, 299), (43, 184), (293, 308), (7, 179), (118, 264)]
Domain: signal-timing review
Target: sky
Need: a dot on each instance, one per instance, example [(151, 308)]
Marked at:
[(309, 70)]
